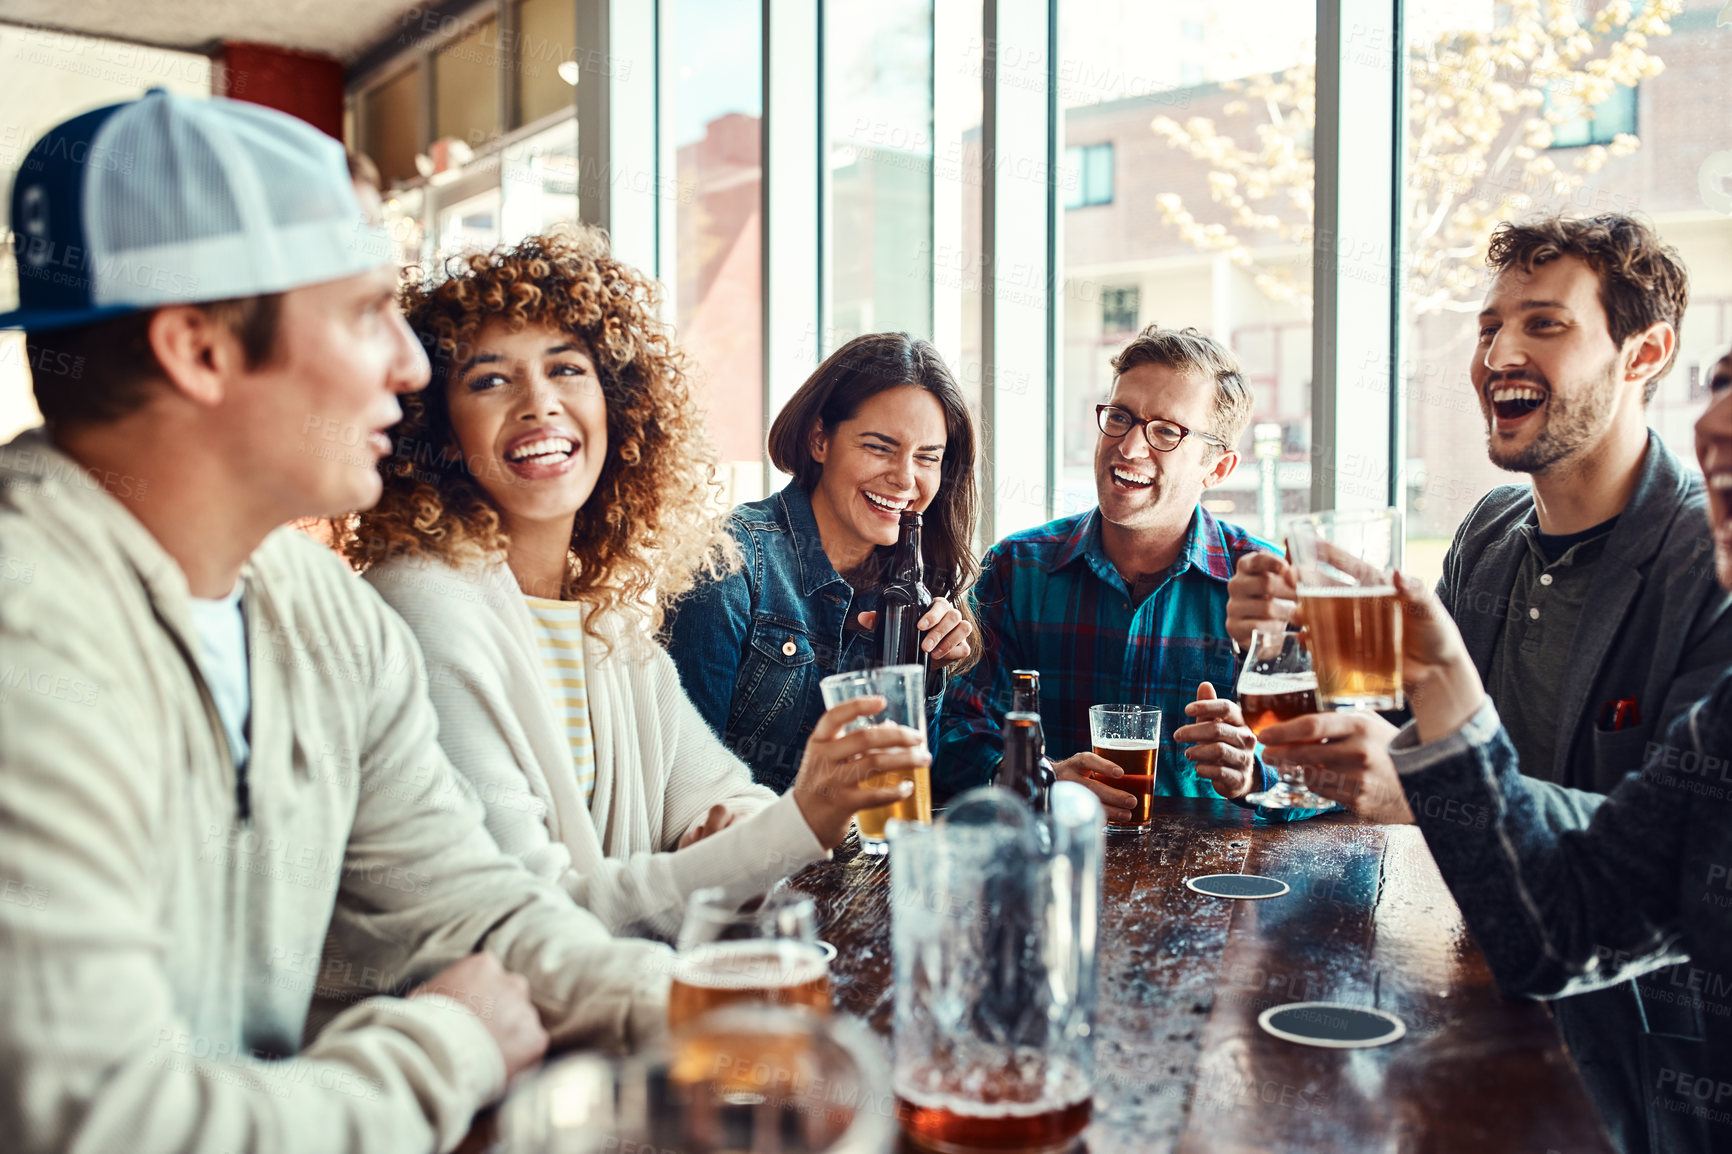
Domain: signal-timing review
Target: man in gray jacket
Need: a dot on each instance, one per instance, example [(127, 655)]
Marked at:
[(218, 760), (1587, 601)]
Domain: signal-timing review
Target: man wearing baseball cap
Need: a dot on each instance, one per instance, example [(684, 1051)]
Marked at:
[(215, 744)]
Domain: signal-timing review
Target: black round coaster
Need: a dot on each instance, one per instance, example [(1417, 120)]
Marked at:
[(1331, 1025), (1245, 886)]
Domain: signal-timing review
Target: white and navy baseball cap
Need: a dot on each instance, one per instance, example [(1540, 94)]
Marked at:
[(171, 200)]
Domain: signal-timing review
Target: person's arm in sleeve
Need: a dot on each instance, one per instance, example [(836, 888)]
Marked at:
[(766, 837), (1557, 912), (970, 742), (425, 884), (705, 633), (94, 1052)]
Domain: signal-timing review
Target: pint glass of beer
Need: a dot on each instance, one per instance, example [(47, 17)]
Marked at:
[(765, 952), (1276, 685), (903, 688), (1345, 561), (993, 924), (1129, 736)]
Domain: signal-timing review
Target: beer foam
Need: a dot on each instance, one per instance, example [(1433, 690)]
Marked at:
[(750, 965), (1058, 1085), (1269, 684), (1126, 743), (1346, 591)]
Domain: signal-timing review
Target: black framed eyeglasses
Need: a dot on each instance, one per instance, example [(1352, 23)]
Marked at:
[(1164, 436)]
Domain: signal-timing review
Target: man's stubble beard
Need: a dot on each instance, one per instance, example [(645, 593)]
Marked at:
[(1569, 427)]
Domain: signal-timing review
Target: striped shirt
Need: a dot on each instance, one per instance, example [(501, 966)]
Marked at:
[(1049, 599), (559, 635)]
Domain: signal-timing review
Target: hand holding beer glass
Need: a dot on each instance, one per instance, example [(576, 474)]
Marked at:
[(1129, 736), (1345, 562), (903, 688), (1279, 684)]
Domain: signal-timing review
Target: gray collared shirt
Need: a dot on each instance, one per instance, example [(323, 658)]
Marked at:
[(1530, 664)]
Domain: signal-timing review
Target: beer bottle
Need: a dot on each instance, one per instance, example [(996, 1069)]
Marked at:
[(904, 601), (1020, 771), (1025, 698)]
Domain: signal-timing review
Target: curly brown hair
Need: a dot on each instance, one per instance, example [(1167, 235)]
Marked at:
[(654, 522), (1642, 278)]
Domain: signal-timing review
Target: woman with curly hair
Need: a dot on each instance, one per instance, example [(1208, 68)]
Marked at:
[(547, 492), (878, 429)]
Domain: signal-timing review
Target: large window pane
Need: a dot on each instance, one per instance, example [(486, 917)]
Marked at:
[(391, 119), (878, 134), (469, 225), (538, 181), (717, 93), (466, 86), (1577, 113), (1186, 187), (547, 68)]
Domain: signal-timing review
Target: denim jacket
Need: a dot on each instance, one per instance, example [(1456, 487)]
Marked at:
[(752, 647)]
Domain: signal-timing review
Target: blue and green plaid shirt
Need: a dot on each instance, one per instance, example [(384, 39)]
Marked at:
[(1049, 599)]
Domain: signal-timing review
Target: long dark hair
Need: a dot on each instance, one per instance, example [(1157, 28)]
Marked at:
[(856, 372)]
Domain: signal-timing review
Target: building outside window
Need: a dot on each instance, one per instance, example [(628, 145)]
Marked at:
[(1611, 118), (1460, 184), (878, 146), (1088, 175), (717, 278), (1119, 311), (1142, 109)]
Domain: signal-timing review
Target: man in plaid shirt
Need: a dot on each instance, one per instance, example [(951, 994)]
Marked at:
[(1127, 603)]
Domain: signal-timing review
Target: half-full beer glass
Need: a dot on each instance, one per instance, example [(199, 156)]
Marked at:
[(1345, 561), (1129, 736), (1276, 685), (994, 916), (903, 687), (761, 952)]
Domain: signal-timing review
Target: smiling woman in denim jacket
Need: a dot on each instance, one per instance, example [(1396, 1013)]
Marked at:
[(879, 428)]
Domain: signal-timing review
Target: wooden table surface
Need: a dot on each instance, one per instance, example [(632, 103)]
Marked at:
[(1180, 1063)]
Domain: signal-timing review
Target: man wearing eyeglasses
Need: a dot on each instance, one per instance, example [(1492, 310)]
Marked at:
[(1126, 603)]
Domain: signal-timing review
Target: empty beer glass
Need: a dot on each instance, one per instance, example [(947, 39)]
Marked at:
[(994, 913), (1345, 562), (765, 951), (1278, 684), (1129, 736), (903, 688)]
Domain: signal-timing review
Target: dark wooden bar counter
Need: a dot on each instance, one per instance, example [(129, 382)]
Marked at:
[(1181, 1064)]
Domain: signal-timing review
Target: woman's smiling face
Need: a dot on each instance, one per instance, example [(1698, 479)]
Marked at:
[(887, 457), (529, 415)]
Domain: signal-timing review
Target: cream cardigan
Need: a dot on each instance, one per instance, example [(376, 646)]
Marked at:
[(161, 926), (658, 766)]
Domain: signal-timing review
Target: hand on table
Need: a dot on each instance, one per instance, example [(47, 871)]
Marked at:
[(500, 1002), (1120, 806), (1345, 757), (1221, 746), (1262, 596), (830, 789), (719, 818), (945, 632)]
